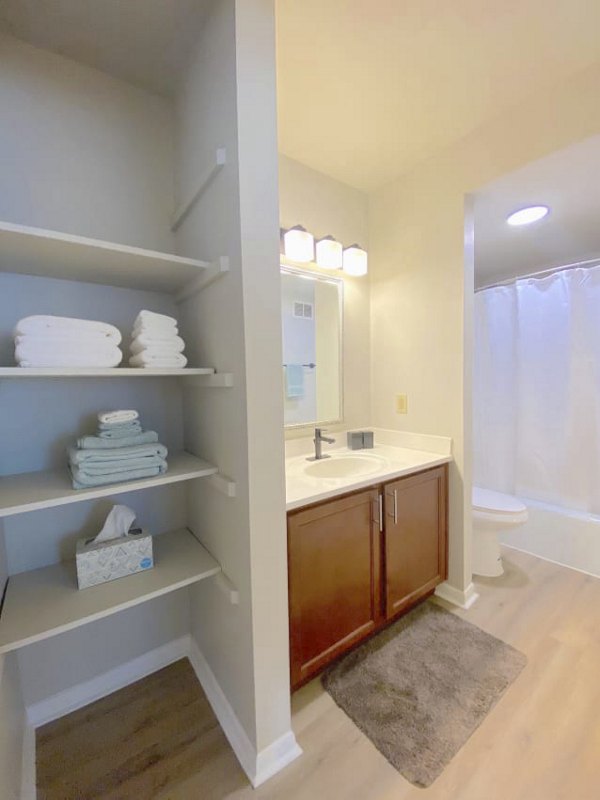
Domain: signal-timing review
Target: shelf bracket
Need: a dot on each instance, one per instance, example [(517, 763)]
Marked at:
[(227, 588), (214, 271), (222, 484), (184, 209), (217, 380)]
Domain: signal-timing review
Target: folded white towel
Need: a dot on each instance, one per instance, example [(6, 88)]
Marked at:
[(49, 360), (43, 324), (154, 332), (151, 321), (80, 341), (164, 344), (118, 417), (29, 346), (149, 359), (47, 354)]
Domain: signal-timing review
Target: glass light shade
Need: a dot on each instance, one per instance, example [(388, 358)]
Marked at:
[(525, 216), (355, 261), (329, 253), (299, 244)]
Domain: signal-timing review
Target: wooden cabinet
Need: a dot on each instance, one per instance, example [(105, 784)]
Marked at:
[(334, 579), (352, 568), (415, 538)]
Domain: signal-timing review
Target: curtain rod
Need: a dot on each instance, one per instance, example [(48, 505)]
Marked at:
[(541, 274)]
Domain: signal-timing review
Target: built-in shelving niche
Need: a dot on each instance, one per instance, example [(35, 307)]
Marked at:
[(44, 602)]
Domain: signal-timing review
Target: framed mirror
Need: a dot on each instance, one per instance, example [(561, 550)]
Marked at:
[(312, 309)]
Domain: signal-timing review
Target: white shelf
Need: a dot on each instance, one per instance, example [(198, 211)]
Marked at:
[(31, 491), (45, 602), (214, 381), (50, 254), (115, 372)]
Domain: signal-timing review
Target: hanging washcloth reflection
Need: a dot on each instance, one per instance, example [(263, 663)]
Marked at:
[(294, 380)]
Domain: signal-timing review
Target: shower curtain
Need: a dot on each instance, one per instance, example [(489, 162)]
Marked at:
[(537, 389)]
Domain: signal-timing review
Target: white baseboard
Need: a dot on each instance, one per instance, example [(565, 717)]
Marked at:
[(275, 757), (88, 692), (463, 599), (28, 782), (258, 766)]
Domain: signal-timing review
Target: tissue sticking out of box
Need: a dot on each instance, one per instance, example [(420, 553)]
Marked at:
[(118, 550), (118, 523)]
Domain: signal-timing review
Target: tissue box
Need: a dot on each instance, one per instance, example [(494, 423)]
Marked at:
[(105, 561), (355, 440)]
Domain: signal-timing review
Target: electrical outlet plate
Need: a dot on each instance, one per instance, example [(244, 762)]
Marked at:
[(401, 404)]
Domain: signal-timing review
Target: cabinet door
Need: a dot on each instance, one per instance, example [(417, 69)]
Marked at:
[(334, 579), (415, 537)]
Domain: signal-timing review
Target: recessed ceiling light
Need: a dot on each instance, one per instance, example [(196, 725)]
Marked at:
[(525, 216)]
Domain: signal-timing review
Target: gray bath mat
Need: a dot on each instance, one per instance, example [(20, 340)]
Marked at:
[(421, 687)]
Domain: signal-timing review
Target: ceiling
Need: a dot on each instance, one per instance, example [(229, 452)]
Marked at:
[(569, 183), (368, 88), (144, 42)]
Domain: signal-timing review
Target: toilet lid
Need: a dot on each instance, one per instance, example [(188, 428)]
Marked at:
[(487, 500)]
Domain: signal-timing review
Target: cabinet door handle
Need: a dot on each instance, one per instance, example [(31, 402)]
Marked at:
[(375, 510), (380, 502), (395, 506)]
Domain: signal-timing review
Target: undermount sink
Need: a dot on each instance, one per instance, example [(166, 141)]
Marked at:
[(344, 466)]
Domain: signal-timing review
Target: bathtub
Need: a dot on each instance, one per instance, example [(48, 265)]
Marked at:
[(571, 538)]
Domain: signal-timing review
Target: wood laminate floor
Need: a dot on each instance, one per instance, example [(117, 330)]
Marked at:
[(158, 739)]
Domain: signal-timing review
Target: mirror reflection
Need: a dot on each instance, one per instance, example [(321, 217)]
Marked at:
[(312, 330)]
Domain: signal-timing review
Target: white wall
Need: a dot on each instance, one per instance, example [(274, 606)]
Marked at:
[(228, 99), (325, 206), (422, 290), (82, 152)]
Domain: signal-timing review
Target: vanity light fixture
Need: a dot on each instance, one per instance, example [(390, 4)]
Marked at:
[(355, 260), (527, 215), (329, 253), (299, 244)]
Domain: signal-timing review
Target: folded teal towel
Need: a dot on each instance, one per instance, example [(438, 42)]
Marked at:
[(107, 431), (81, 480), (122, 434), (125, 465), (92, 442), (97, 454)]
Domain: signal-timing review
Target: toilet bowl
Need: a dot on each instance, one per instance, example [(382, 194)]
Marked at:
[(493, 513)]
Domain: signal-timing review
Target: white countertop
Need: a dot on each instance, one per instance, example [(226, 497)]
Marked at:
[(394, 455)]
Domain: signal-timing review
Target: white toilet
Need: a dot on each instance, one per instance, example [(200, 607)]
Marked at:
[(493, 513)]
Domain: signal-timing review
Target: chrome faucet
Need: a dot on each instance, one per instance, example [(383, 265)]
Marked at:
[(318, 440)]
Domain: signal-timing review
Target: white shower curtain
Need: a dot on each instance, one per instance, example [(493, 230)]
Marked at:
[(537, 389)]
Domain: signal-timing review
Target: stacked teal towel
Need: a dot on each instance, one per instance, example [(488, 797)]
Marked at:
[(120, 451)]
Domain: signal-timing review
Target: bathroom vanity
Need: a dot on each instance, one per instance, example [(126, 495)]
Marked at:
[(364, 555)]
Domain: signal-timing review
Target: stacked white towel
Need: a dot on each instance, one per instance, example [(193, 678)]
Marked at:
[(48, 341), (156, 342)]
